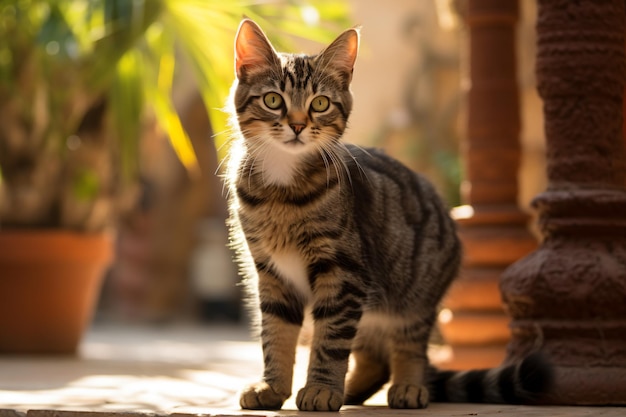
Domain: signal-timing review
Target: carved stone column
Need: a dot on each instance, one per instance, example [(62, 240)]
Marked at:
[(492, 227), (569, 296)]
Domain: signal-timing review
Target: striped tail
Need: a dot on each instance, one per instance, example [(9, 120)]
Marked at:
[(522, 383)]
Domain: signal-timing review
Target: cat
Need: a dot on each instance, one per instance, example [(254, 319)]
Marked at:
[(363, 242)]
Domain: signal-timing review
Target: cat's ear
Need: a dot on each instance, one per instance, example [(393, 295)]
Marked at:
[(252, 49), (342, 52)]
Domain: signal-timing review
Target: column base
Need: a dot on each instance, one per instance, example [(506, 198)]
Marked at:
[(588, 385), (589, 356)]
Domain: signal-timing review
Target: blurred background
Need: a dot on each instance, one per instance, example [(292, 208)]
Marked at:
[(154, 73)]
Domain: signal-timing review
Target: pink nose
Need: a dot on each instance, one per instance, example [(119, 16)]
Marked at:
[(297, 127)]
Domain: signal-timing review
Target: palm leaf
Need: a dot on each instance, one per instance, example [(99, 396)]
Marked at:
[(126, 51)]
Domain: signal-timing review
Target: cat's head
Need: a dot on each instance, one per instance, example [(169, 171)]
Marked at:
[(297, 103)]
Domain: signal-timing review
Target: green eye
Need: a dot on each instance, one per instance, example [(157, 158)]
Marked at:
[(320, 103), (273, 100)]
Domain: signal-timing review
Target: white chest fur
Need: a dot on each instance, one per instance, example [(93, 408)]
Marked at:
[(279, 165), (291, 267)]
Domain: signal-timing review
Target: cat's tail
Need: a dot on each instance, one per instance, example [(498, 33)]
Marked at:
[(522, 383)]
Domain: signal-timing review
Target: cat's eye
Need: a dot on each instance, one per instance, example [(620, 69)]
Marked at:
[(320, 103), (273, 100)]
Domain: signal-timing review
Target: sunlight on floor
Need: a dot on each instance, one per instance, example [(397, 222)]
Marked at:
[(185, 370)]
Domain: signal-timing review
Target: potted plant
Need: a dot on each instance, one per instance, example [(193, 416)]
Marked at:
[(81, 82)]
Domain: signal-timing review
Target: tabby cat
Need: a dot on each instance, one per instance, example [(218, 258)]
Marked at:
[(350, 233)]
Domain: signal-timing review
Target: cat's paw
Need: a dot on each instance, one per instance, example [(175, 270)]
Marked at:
[(407, 396), (261, 396), (319, 398)]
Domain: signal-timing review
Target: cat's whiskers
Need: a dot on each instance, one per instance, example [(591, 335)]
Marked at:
[(330, 151), (333, 145), (245, 154), (232, 135), (258, 148), (339, 163), (263, 154), (250, 166), (322, 153), (356, 161), (265, 151)]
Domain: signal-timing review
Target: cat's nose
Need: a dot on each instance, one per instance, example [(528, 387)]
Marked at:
[(297, 127)]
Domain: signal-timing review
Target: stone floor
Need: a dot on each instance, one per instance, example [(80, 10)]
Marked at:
[(177, 370)]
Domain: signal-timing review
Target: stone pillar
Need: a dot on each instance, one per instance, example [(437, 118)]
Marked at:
[(492, 227), (568, 298)]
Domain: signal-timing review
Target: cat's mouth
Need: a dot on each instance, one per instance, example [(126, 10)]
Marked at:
[(294, 142)]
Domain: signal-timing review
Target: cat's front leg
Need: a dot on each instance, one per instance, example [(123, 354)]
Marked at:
[(282, 313), (336, 314), (408, 362)]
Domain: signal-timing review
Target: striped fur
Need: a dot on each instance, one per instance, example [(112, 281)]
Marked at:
[(351, 233)]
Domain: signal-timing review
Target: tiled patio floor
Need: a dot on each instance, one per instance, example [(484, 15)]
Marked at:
[(181, 370)]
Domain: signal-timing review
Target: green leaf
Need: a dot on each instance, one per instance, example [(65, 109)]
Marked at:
[(86, 185), (126, 99)]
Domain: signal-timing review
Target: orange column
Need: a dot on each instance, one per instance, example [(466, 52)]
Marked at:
[(568, 298), (492, 227)]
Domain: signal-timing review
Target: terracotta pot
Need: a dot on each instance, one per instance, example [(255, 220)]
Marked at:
[(49, 285)]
